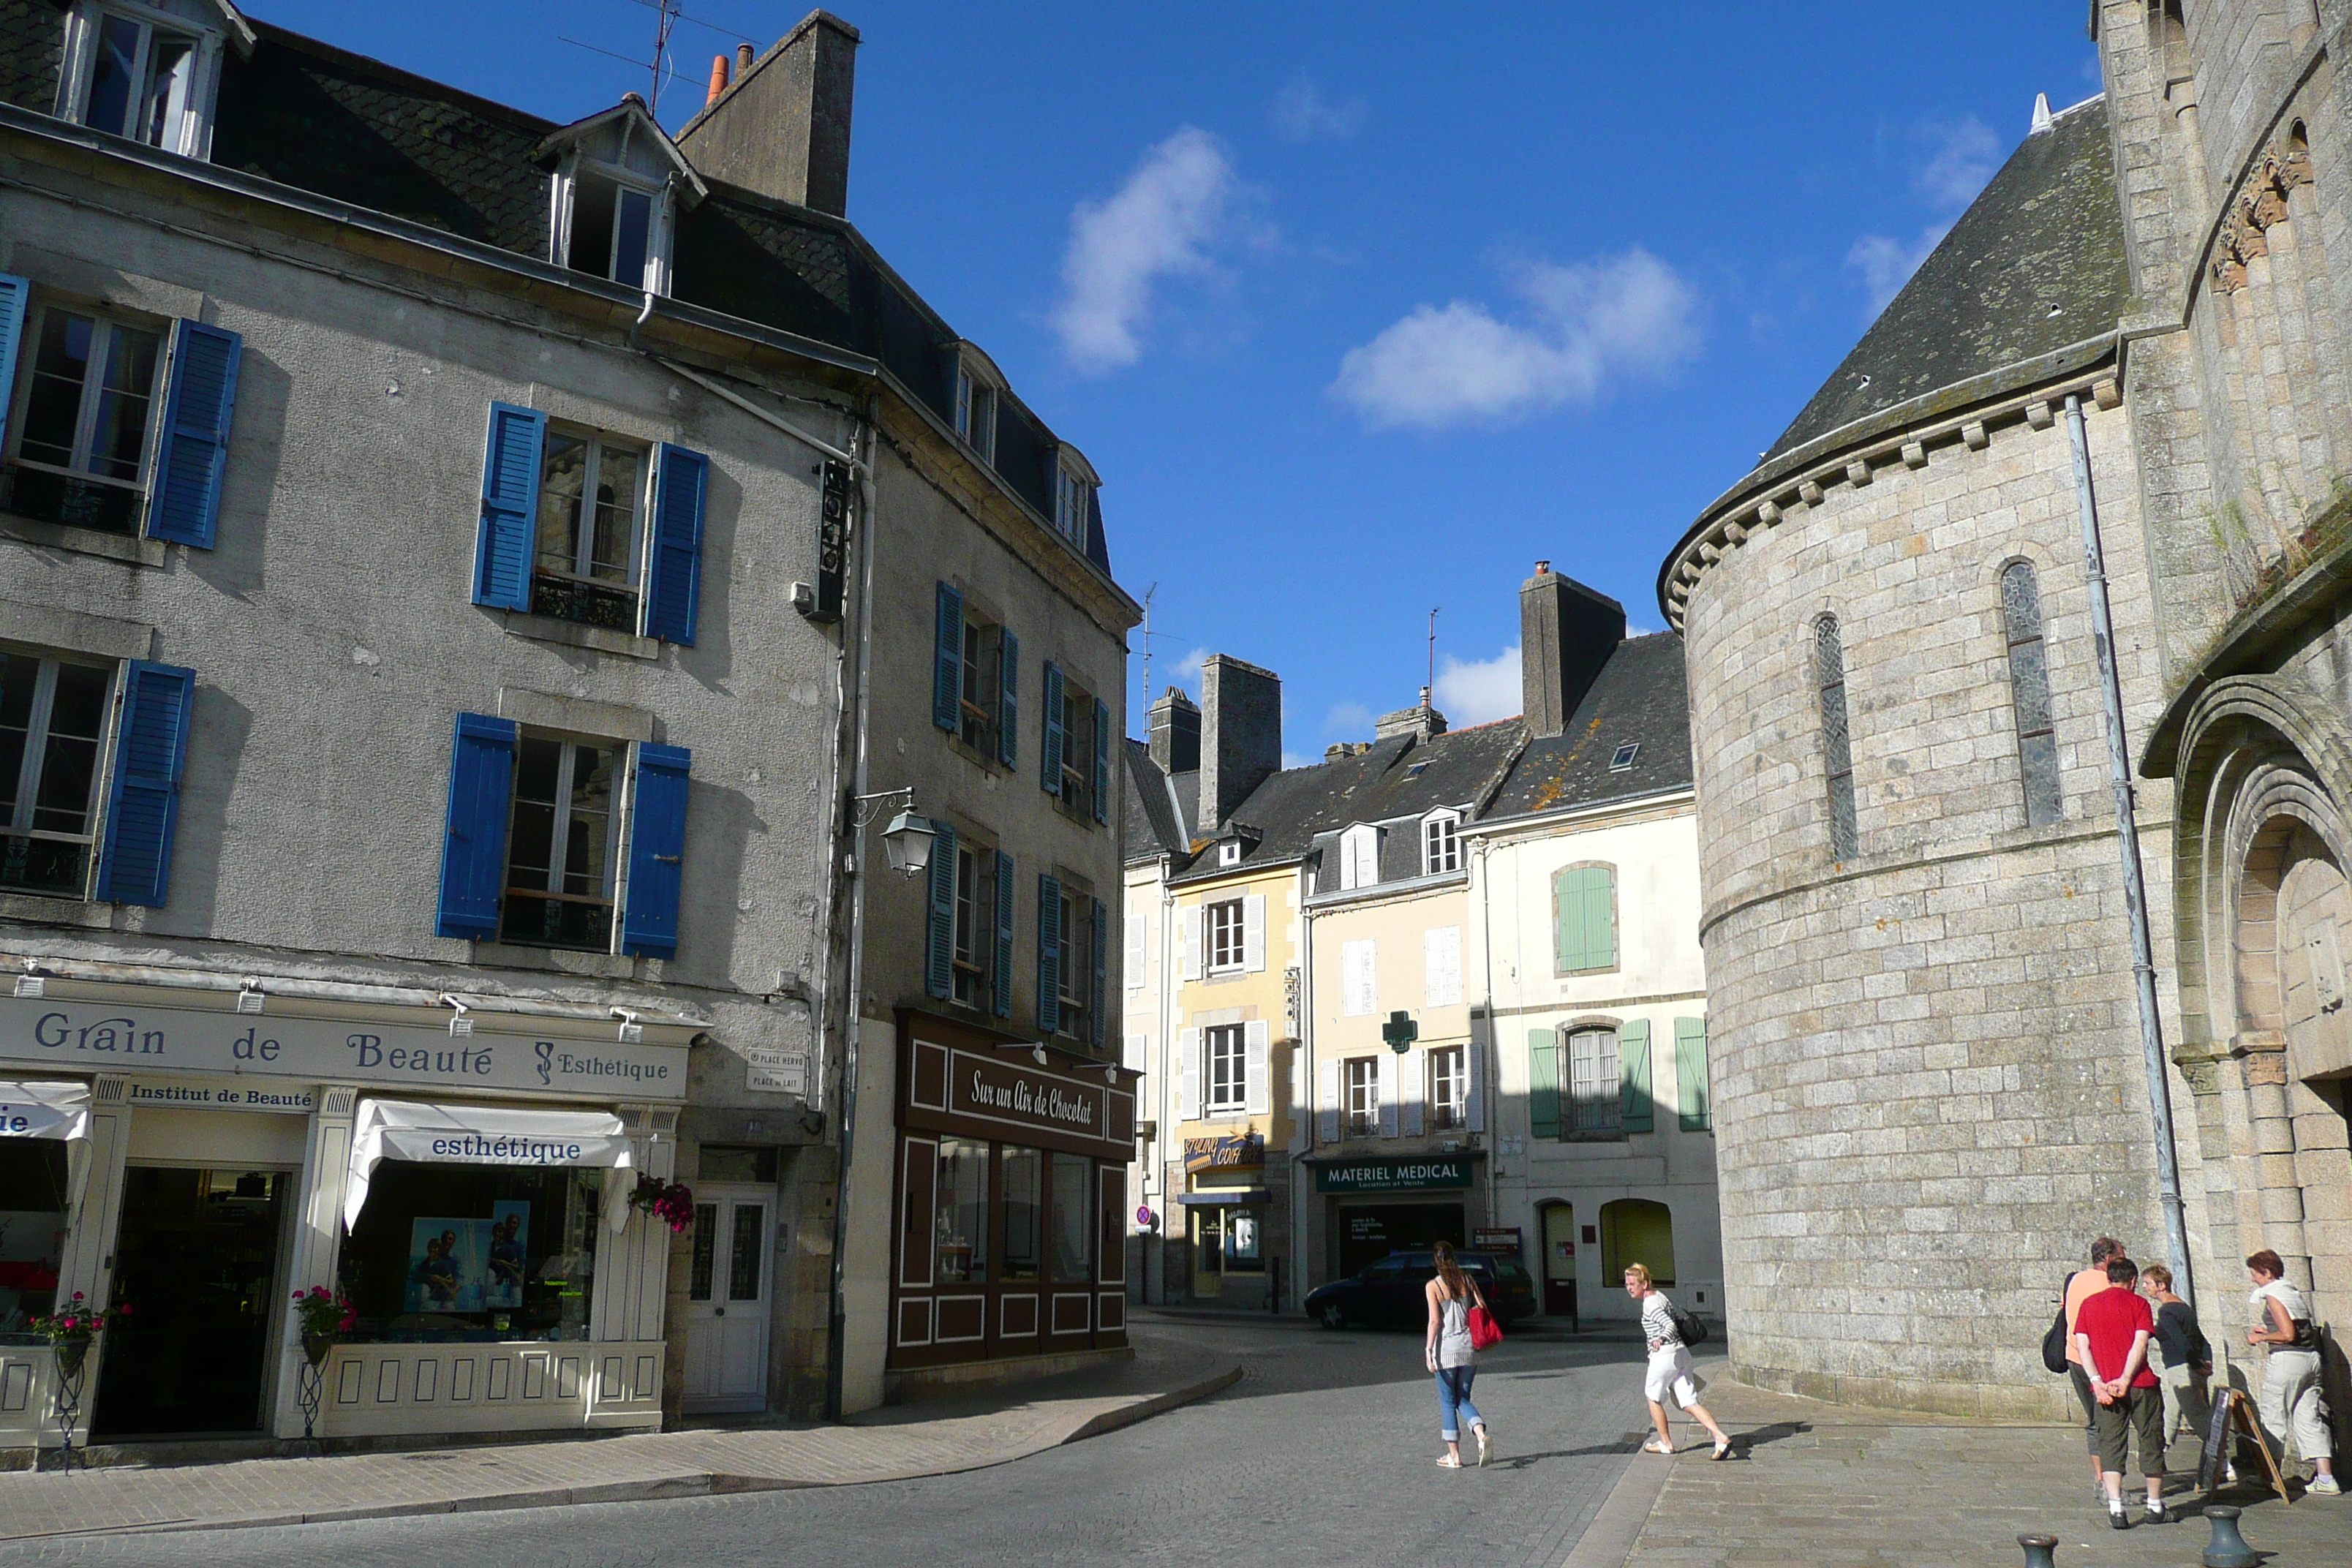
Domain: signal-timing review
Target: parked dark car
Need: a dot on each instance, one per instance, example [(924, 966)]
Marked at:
[(1388, 1295)]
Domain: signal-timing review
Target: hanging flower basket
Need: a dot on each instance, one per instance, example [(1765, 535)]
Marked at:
[(70, 1331), (672, 1203), (327, 1316)]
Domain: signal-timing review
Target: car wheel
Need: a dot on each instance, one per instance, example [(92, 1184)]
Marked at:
[(1333, 1317)]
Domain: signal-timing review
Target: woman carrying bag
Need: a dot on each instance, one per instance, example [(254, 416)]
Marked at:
[(1452, 1354)]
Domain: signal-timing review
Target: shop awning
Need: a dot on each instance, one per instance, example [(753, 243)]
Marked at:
[(56, 1109), (487, 1136), (1226, 1198)]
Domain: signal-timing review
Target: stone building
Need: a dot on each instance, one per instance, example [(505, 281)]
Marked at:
[(1929, 1077), (454, 570)]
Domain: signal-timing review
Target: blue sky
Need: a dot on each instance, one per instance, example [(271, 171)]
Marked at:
[(1360, 310)]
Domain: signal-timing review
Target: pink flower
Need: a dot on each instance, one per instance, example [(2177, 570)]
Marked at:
[(124, 1309)]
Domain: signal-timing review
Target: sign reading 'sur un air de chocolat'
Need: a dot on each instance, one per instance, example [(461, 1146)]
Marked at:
[(110, 1036), (950, 1090)]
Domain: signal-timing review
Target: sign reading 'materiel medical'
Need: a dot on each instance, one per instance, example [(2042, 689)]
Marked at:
[(110, 1036)]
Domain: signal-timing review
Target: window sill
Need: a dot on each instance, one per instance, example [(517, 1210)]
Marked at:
[(566, 961), (36, 908), (138, 552), (547, 628), (975, 755)]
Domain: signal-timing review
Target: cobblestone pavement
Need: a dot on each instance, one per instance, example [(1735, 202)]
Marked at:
[(1322, 1454), (1833, 1487)]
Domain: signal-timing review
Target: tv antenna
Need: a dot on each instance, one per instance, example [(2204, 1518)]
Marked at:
[(1429, 692), (1147, 593), (665, 17)]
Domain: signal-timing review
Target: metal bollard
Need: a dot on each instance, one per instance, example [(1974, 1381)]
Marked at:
[(2229, 1549), (2040, 1550)]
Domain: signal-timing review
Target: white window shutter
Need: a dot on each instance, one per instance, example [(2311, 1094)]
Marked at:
[(1413, 1067), (1257, 1086), (1327, 1102), (1138, 934), (1188, 1080), (1359, 986), (1442, 955), (1254, 932), (1188, 926), (1388, 1081), (1473, 1066)]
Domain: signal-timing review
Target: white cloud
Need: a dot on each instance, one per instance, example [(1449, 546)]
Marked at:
[(1185, 672), (1352, 720), (1964, 156), (1301, 114), (1157, 225), (1479, 692), (1886, 264), (1298, 760), (1967, 155), (1588, 325)]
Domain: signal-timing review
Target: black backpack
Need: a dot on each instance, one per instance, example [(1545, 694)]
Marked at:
[(2053, 1343), (1690, 1329)]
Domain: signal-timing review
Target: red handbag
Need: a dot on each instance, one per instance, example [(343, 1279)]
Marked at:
[(1485, 1332)]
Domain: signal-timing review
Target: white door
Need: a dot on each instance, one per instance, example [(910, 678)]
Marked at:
[(728, 1290)]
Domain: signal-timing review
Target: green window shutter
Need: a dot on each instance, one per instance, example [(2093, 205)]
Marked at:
[(1543, 1083), (1635, 1111), (1567, 919), (1599, 918), (1690, 1074)]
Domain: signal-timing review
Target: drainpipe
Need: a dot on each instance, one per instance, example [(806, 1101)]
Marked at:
[(837, 1315), (2151, 1024), (1166, 1123), (1306, 1272)]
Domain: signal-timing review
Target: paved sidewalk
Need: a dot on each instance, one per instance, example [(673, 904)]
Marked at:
[(938, 1438), (1838, 1487)]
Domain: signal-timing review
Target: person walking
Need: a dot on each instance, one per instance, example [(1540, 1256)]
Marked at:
[(2113, 1331), (2181, 1357), (2290, 1399), (2082, 1284), (1670, 1366), (1453, 1358)]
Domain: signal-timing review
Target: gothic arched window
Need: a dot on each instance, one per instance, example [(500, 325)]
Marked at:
[(1837, 750), (2028, 687)]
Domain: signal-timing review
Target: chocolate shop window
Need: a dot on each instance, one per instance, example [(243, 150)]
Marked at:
[(31, 1232), (962, 1228), (1024, 1212), (1073, 1232), (473, 1252)]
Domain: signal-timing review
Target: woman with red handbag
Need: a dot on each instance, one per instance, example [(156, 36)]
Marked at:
[(1456, 1310)]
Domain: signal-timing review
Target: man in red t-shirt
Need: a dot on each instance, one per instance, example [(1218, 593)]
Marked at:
[(2112, 1330)]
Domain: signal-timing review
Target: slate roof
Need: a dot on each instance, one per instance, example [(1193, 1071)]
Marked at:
[(2035, 264), (1642, 695), (1149, 826)]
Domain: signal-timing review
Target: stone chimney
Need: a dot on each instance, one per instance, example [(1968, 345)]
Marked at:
[(1567, 632), (1240, 735), (1422, 724), (782, 127), (1176, 733)]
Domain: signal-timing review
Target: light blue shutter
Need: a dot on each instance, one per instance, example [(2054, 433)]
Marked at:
[(939, 940), (1049, 955), (946, 670), (1100, 991), (1003, 975), (1635, 1108), (13, 293), (1101, 790), (184, 506), (1567, 919), (1543, 1083), (1049, 766), (474, 852), (1008, 701), (674, 566), (1599, 917), (510, 507), (657, 851), (150, 753), (1690, 1074)]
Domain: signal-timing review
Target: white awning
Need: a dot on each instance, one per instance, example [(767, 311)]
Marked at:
[(487, 1136), (59, 1109)]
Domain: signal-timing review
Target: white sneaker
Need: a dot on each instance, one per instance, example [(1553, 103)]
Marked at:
[(2325, 1485)]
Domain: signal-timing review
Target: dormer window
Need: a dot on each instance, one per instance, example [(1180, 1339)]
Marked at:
[(618, 185), (612, 230), (144, 72), (1441, 843), (1229, 853), (1359, 857), (1074, 497), (975, 411)]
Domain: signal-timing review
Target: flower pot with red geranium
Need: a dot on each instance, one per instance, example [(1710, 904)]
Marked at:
[(672, 1203), (72, 1327), (327, 1316)]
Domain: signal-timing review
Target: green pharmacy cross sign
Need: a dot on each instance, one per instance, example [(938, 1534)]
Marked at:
[(1399, 1031)]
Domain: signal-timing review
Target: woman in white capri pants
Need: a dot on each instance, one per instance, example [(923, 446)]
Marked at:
[(2290, 1402), (1670, 1366)]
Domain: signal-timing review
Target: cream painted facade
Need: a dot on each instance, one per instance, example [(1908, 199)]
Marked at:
[(1575, 1196)]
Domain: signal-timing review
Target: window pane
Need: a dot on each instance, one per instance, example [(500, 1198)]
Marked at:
[(631, 237), (1243, 1253), (118, 437), (69, 761), (1024, 1242), (584, 852), (563, 475), (18, 675), (53, 404), (114, 76), (33, 1196), (592, 201), (172, 60), (473, 1253), (706, 1251), (962, 1230), (743, 1262), (530, 842), (1073, 1216), (620, 480)]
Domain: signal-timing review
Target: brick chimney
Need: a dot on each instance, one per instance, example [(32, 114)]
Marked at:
[(782, 127), (1176, 733), (1240, 735), (1567, 633)]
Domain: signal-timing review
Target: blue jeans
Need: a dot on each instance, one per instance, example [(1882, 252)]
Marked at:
[(1453, 1399)]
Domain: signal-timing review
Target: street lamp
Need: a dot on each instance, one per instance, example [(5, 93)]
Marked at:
[(908, 841)]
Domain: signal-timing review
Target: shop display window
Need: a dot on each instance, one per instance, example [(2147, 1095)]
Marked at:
[(1073, 1214), (962, 1227), (32, 1230), (473, 1252), (1024, 1194)]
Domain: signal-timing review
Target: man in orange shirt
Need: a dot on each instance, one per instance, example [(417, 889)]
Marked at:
[(2085, 1284)]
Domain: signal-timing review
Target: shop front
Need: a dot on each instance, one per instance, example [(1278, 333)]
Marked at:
[(1009, 1235), (1374, 1207), (203, 1155), (1230, 1222)]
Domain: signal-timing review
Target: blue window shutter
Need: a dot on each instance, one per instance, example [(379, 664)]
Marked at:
[(1633, 1079), (657, 851), (510, 507), (474, 853), (184, 501), (1543, 1083), (1003, 975), (674, 566), (939, 945), (1690, 1074), (946, 671), (1049, 765), (1101, 790), (1049, 955), (1008, 701), (14, 292), (1100, 990), (151, 753)]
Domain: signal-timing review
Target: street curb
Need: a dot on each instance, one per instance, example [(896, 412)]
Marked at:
[(684, 1484), (1617, 1526)]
